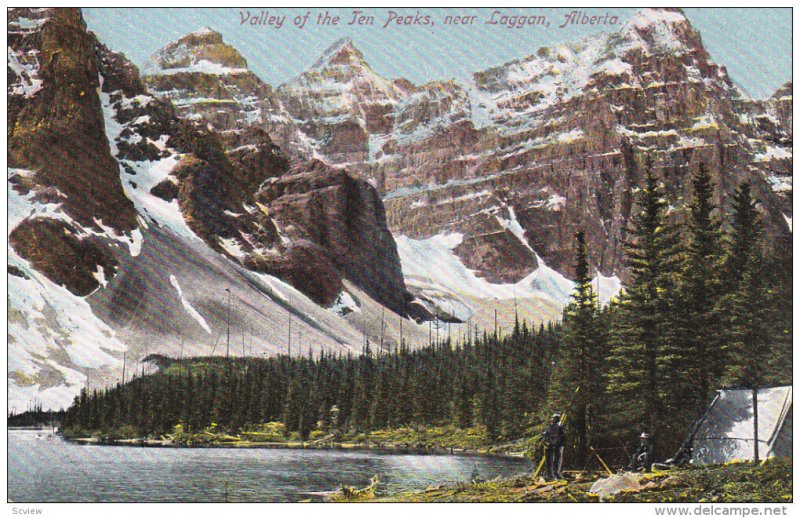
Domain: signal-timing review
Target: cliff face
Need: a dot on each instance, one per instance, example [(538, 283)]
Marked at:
[(546, 144), (59, 157), (560, 137), (55, 126), (318, 207)]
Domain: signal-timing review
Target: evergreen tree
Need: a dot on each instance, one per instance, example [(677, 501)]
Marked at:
[(637, 378), (745, 305), (489, 408), (744, 238), (778, 277), (698, 356), (581, 361), (380, 409)]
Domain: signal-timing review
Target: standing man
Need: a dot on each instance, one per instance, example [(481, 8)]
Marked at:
[(554, 440)]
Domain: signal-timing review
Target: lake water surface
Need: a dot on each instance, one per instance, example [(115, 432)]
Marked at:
[(45, 468)]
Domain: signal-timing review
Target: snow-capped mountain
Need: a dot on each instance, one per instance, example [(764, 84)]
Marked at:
[(518, 159), (208, 80), (144, 208)]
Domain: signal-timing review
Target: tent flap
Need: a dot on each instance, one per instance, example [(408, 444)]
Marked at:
[(726, 433)]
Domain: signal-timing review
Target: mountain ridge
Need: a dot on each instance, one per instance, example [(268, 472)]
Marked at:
[(331, 199), (557, 138)]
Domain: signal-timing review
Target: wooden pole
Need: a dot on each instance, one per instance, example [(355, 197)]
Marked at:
[(401, 336), (213, 349), (755, 424), (289, 343), (228, 327), (516, 314), (452, 316), (383, 328), (366, 340)]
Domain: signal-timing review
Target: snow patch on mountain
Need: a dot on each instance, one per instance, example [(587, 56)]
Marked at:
[(188, 306), (147, 175), (705, 122), (203, 66), (23, 25), (513, 225), (100, 276), (774, 153), (55, 335), (233, 247), (23, 206), (345, 304), (431, 264), (135, 244), (25, 66)]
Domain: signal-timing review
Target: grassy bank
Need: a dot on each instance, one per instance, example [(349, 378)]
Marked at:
[(274, 434), (736, 482)]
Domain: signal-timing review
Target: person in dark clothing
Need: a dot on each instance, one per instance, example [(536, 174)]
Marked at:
[(554, 437), (643, 457)]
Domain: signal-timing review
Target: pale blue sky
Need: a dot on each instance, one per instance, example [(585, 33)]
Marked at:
[(754, 44)]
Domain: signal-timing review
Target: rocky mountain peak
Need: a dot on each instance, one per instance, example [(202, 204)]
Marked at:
[(202, 51), (200, 73), (344, 63), (661, 30), (206, 35), (342, 52), (784, 91)]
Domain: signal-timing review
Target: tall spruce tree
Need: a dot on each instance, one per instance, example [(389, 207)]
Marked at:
[(778, 276), (744, 237), (637, 377), (698, 354), (581, 362), (745, 305)]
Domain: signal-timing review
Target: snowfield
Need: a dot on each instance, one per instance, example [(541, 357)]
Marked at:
[(432, 268), (55, 335), (431, 263)]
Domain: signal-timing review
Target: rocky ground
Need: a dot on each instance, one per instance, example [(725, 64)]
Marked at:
[(737, 482)]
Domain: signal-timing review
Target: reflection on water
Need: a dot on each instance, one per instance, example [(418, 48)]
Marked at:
[(43, 468)]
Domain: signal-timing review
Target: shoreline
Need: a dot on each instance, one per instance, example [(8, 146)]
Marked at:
[(333, 446)]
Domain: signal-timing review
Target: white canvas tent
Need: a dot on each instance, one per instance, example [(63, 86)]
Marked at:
[(726, 431)]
